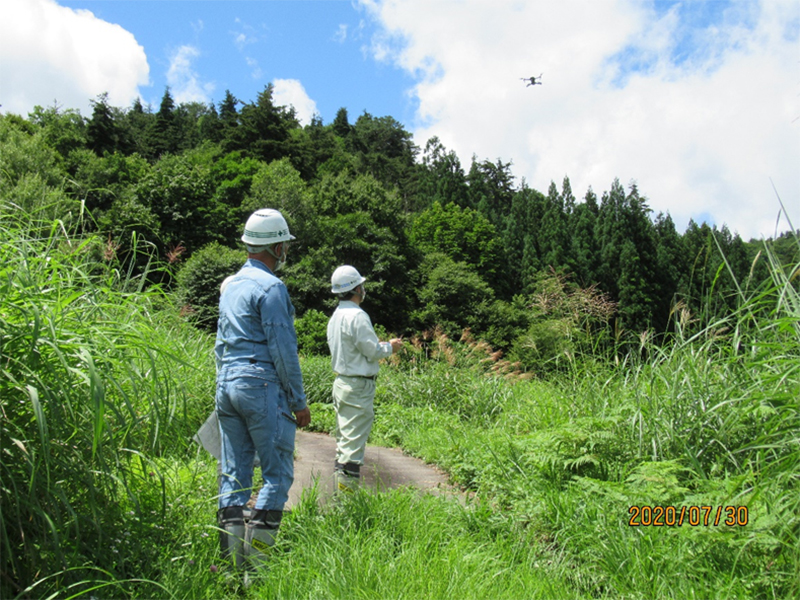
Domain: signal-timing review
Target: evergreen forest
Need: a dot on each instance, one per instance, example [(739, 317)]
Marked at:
[(442, 245)]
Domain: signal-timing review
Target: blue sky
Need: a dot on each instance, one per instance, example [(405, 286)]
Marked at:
[(241, 46), (696, 101)]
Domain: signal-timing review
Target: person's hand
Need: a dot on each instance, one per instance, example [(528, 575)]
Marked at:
[(397, 345), (303, 417)]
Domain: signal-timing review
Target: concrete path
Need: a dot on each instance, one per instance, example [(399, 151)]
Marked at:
[(383, 468)]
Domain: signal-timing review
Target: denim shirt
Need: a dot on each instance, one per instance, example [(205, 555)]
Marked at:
[(255, 332)]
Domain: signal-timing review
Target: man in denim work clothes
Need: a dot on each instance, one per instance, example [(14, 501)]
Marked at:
[(355, 352), (259, 386)]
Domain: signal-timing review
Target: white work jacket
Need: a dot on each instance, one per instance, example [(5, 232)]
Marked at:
[(355, 349)]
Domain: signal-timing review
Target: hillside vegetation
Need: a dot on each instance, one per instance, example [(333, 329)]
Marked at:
[(580, 395), (440, 244)]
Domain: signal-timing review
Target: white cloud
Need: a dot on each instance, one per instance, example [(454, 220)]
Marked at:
[(51, 53), (255, 69), (245, 37), (183, 80), (700, 135), (341, 34), (240, 40), (290, 92)]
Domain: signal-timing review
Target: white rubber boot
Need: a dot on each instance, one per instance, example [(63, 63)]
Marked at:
[(259, 538), (346, 477), (232, 534)]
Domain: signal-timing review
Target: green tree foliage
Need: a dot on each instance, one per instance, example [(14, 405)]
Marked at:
[(628, 268), (199, 280), (135, 129), (232, 177), (452, 296), (502, 323), (98, 181), (25, 150), (442, 178), (357, 222), (719, 265), (610, 236), (279, 185), (312, 333), (521, 239), (585, 246), (102, 135), (555, 244), (191, 119), (341, 123), (177, 191), (699, 250), (672, 260), (263, 129), (340, 161), (129, 223), (785, 247), (382, 148), (165, 133), (209, 126), (224, 131), (31, 172), (737, 262), (334, 156), (62, 130), (312, 147), (190, 174), (634, 298), (463, 235), (491, 189)]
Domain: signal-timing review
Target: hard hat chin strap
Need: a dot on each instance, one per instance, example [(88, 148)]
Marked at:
[(282, 258)]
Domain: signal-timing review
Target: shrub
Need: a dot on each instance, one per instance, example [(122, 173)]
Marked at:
[(317, 378), (312, 333), (200, 278), (453, 296), (545, 343), (565, 320)]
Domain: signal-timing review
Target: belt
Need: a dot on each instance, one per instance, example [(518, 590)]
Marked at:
[(373, 377)]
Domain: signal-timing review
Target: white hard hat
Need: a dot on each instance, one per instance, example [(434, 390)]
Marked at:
[(266, 226), (345, 278)]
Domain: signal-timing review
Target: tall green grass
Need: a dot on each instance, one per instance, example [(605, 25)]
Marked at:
[(399, 544), (96, 383)]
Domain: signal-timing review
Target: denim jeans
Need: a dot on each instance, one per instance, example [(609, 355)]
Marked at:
[(254, 417)]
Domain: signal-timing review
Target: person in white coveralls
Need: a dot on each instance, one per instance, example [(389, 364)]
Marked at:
[(355, 355)]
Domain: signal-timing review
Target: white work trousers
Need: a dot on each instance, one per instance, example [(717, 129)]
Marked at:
[(353, 400)]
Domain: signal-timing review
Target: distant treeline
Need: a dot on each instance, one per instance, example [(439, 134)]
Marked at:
[(439, 245)]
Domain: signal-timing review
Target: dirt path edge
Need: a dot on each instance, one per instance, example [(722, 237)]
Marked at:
[(384, 468)]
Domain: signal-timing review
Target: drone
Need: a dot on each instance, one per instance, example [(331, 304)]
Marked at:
[(533, 80)]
